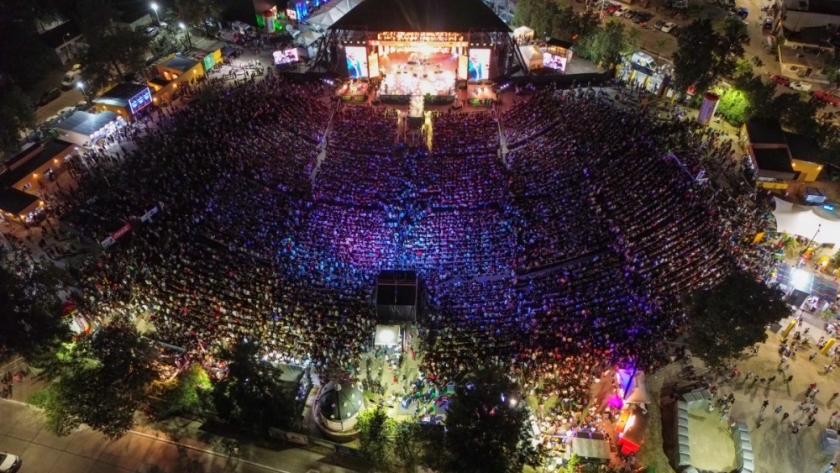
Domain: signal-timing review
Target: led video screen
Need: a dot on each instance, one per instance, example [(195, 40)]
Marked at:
[(289, 56), (356, 61), (553, 61), (479, 64)]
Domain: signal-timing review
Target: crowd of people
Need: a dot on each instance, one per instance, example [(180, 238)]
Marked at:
[(278, 207)]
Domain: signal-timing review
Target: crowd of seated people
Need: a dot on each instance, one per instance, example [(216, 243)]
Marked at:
[(568, 260), (463, 180), (464, 133)]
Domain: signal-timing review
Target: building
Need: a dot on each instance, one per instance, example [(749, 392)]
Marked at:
[(804, 63), (175, 70), (797, 15), (34, 167), (19, 207), (84, 129), (779, 157), (126, 100)]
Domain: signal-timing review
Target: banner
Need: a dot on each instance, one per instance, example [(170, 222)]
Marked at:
[(121, 232)]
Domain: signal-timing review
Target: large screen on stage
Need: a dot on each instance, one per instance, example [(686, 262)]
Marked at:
[(479, 65), (289, 56), (140, 101), (553, 61), (357, 65), (373, 63)]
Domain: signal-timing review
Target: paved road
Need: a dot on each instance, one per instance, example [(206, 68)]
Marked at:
[(86, 451)]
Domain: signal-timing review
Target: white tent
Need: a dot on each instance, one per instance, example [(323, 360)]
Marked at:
[(523, 33), (532, 56), (307, 38), (805, 220), (324, 19)]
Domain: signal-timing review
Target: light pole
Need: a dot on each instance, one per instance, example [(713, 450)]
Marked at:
[(184, 27), (819, 227), (155, 9), (81, 86), (67, 45)]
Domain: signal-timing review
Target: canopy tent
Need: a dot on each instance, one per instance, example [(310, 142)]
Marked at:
[(308, 38), (326, 18), (632, 386), (532, 56), (523, 33), (387, 335), (595, 450), (806, 220)]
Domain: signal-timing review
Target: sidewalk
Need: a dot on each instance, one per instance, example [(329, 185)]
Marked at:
[(144, 449)]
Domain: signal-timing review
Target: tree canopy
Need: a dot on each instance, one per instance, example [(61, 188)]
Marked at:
[(606, 45), (486, 416), (103, 382), (30, 311), (705, 54), (730, 317), (251, 397)]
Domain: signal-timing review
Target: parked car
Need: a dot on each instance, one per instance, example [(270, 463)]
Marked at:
[(152, 31), (668, 27), (48, 96), (781, 80), (66, 112), (659, 24), (621, 11), (71, 77), (9, 463), (827, 96), (768, 24), (800, 86)]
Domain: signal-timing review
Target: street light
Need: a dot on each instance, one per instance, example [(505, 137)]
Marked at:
[(81, 86), (155, 8), (184, 27)]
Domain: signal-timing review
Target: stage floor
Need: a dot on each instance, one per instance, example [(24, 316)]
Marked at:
[(435, 75), (712, 447)]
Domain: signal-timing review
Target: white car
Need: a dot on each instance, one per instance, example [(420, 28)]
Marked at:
[(800, 86), (9, 463), (66, 112), (668, 26), (621, 11)]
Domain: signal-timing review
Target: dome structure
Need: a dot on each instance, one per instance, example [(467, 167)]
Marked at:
[(339, 405)]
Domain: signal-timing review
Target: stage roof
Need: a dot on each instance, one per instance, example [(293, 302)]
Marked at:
[(421, 15)]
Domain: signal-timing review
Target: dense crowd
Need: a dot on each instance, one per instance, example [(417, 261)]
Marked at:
[(278, 208)]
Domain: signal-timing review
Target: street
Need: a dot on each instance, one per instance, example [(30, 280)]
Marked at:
[(22, 433)]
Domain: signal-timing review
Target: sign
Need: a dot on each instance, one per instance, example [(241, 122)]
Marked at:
[(209, 61), (140, 101), (147, 217), (121, 232), (829, 207)]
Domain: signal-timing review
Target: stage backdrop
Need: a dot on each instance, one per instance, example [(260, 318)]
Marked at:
[(373, 64)]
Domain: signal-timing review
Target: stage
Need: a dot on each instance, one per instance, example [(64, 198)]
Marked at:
[(353, 91), (412, 73)]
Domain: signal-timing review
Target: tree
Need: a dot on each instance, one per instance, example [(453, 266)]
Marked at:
[(376, 438), (731, 316), (797, 115), (747, 97), (484, 416), (112, 50), (189, 394), (606, 45), (30, 311), (16, 116), (251, 396), (570, 25), (197, 12), (103, 382), (704, 55)]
